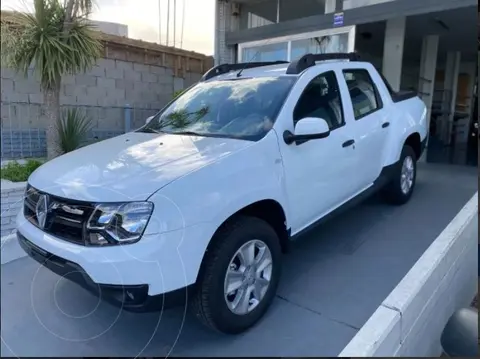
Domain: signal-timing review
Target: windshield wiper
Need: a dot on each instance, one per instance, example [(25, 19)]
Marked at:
[(150, 130), (215, 135), (188, 133)]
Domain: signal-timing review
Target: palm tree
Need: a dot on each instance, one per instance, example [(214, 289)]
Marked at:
[(57, 39)]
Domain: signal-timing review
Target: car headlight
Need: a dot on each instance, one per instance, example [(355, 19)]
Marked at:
[(119, 223)]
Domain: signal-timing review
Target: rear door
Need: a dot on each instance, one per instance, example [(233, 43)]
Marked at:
[(370, 126)]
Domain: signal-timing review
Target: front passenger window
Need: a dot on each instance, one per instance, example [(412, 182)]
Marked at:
[(321, 99)]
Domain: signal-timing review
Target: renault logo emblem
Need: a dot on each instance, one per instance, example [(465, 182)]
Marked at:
[(41, 210)]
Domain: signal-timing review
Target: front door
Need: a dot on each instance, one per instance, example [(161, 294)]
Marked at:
[(319, 174)]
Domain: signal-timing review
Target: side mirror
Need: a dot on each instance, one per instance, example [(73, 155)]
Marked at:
[(148, 120), (306, 129)]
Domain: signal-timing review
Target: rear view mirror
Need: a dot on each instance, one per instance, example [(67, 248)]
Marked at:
[(148, 120)]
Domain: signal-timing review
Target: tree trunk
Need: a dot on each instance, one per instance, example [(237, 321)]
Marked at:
[(52, 113)]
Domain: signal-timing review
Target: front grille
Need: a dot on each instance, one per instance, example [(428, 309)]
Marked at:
[(65, 219)]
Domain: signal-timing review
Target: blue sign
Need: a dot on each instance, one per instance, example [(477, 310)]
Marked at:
[(338, 19)]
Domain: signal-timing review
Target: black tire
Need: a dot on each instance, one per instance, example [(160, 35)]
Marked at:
[(208, 303), (393, 192)]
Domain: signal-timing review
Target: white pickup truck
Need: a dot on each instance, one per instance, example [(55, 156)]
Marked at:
[(201, 202)]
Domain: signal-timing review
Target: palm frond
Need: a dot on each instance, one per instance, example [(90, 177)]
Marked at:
[(82, 39), (84, 7), (182, 118), (44, 39), (72, 129)]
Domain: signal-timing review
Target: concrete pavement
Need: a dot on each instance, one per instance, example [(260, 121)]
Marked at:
[(332, 282)]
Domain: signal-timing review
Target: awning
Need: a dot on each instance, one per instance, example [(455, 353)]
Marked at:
[(356, 16)]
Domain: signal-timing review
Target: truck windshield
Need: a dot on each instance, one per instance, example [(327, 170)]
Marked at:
[(245, 109)]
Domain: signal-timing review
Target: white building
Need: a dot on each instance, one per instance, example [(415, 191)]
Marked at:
[(111, 28), (426, 45)]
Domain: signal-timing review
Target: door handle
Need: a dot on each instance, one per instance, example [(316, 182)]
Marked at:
[(385, 125), (348, 143)]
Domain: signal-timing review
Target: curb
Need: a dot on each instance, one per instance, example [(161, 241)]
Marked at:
[(9, 186), (10, 249), (410, 320)]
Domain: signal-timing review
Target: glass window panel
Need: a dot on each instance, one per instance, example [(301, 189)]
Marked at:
[(319, 45), (269, 52)]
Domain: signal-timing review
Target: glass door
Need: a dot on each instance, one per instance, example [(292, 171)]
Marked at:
[(289, 48)]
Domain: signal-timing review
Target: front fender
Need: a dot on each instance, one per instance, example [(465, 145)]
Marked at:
[(217, 191), (196, 205)]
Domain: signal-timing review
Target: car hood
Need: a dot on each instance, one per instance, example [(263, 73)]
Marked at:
[(129, 167)]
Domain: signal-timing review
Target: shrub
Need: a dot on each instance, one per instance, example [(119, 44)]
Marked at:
[(57, 39), (17, 172), (73, 129)]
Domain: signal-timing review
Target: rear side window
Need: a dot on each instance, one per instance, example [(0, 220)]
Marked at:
[(387, 84), (363, 92)]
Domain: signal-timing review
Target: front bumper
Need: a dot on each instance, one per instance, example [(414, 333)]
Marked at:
[(159, 265), (129, 297)]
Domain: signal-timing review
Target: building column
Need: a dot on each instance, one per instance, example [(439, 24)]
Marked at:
[(426, 80), (224, 21), (452, 69), (330, 6), (216, 34), (393, 51)]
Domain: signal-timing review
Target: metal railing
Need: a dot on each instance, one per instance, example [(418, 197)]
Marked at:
[(22, 132)]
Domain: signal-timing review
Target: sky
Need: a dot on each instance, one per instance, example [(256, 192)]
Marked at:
[(142, 18)]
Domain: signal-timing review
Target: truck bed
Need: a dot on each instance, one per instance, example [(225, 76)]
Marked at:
[(399, 96)]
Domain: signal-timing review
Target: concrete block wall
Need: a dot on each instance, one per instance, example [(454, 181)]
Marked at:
[(16, 143), (110, 86), (11, 204), (31, 143), (132, 74)]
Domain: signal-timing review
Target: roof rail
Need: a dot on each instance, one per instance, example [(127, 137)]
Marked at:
[(226, 68), (309, 60)]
